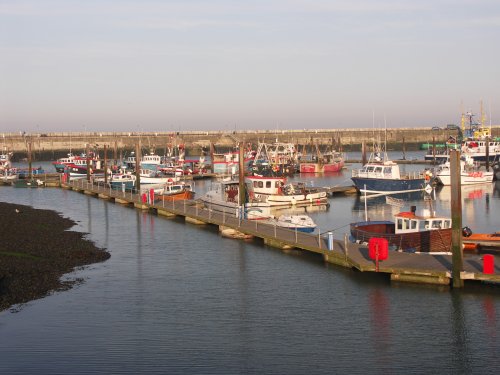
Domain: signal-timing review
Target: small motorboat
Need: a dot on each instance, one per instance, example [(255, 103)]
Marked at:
[(173, 191), (480, 241), (301, 223)]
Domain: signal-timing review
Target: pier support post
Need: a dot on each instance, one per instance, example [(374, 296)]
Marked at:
[(105, 167), (487, 142), (363, 153), (30, 169), (87, 155), (138, 157), (456, 219)]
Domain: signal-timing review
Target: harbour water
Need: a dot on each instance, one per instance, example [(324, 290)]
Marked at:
[(180, 299)]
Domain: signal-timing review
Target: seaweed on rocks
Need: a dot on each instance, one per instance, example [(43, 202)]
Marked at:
[(36, 249)]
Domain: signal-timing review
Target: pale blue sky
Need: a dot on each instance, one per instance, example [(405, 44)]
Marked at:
[(162, 65)]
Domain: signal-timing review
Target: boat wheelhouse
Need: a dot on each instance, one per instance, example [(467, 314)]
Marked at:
[(150, 161)]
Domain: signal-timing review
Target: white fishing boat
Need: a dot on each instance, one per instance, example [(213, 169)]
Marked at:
[(8, 175), (5, 160), (470, 173), (123, 182), (224, 197), (149, 176), (276, 192), (151, 161), (479, 141), (171, 168)]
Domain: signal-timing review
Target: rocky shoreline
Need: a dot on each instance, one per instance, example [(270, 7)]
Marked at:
[(36, 249)]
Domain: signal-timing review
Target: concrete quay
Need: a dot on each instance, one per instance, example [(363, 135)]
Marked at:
[(55, 144)]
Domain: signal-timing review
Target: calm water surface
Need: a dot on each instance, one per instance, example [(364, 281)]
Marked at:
[(176, 298)]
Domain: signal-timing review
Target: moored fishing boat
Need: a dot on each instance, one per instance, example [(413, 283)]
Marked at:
[(470, 173), (276, 192), (382, 176), (223, 196), (61, 163), (228, 163), (275, 160), (8, 175), (149, 176), (409, 232), (122, 181), (78, 161), (150, 161), (478, 140), (5, 162), (327, 162), (172, 169), (176, 191)]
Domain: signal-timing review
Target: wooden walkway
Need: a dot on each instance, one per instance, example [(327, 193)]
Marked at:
[(419, 268)]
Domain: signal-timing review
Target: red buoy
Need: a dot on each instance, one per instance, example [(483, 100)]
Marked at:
[(380, 245), (488, 264), (378, 249)]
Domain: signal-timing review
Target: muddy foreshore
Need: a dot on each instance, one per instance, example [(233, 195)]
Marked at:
[(36, 249)]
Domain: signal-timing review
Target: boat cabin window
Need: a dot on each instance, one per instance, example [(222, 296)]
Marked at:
[(403, 224), (436, 224), (413, 224), (400, 224), (369, 169), (268, 184), (446, 224), (387, 170), (426, 224)]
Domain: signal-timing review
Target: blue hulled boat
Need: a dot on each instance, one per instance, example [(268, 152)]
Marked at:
[(382, 176)]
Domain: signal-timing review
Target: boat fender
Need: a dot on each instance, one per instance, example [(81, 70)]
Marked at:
[(466, 231)]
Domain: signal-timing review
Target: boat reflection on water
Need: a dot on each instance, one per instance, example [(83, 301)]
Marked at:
[(382, 200), (469, 192)]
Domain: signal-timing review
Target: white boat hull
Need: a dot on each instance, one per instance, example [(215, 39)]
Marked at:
[(468, 178)]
